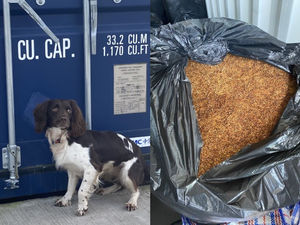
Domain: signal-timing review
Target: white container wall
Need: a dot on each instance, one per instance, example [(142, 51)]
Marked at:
[(279, 18)]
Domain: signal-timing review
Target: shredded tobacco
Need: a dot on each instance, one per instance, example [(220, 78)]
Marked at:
[(238, 102)]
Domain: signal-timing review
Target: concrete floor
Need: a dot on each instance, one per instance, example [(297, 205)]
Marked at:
[(104, 210)]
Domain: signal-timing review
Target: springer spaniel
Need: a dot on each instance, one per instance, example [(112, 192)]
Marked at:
[(90, 155)]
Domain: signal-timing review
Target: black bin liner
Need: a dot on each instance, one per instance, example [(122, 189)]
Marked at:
[(158, 13), (179, 10), (172, 11), (262, 176)]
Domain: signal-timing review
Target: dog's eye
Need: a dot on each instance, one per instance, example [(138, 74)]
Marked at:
[(69, 110), (55, 109)]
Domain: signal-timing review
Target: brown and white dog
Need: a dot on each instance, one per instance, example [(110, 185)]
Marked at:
[(90, 155)]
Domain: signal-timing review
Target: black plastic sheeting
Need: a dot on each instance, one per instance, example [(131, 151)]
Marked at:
[(158, 13), (261, 177), (180, 10), (172, 11)]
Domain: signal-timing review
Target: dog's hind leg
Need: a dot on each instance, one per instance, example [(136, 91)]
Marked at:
[(66, 199), (86, 189), (131, 175)]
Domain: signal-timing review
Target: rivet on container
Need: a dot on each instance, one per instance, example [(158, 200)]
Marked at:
[(40, 2)]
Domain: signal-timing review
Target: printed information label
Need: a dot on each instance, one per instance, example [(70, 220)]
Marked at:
[(130, 88), (142, 141)]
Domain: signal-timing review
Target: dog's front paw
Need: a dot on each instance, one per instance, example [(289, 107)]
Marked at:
[(62, 202), (81, 212), (131, 206)]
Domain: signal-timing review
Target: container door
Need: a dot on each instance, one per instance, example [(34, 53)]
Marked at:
[(41, 70), (120, 70)]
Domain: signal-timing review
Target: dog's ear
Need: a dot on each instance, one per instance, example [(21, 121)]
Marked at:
[(78, 126), (40, 116)]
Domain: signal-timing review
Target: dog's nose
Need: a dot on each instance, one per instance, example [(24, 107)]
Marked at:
[(63, 119)]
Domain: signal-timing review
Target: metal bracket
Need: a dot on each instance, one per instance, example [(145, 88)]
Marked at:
[(94, 18), (8, 152), (11, 160)]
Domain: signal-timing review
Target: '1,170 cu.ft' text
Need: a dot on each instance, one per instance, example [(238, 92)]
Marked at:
[(137, 44)]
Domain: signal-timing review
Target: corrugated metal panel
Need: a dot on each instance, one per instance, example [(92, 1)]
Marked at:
[(277, 17)]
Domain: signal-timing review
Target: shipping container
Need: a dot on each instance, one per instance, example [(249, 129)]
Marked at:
[(101, 60)]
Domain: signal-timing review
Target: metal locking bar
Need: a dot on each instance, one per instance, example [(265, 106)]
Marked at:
[(90, 18), (87, 64), (11, 157), (8, 154)]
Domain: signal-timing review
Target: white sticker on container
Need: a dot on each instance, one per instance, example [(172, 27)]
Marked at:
[(142, 141), (130, 88)]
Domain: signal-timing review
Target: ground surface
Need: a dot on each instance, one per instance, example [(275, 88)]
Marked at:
[(106, 210)]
